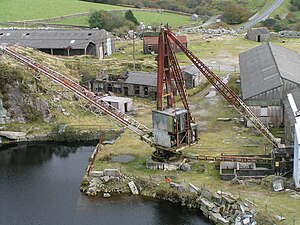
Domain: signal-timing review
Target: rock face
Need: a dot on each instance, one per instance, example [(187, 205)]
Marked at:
[(21, 105), (3, 113)]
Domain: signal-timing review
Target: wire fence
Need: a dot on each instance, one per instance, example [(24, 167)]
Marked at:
[(224, 68)]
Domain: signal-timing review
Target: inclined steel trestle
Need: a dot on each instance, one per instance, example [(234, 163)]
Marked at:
[(82, 93)]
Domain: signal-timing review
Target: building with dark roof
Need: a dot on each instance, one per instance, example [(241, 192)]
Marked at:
[(260, 34), (268, 73), (193, 76), (61, 42), (140, 84), (150, 44)]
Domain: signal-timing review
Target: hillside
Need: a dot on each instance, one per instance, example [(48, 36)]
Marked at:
[(29, 106)]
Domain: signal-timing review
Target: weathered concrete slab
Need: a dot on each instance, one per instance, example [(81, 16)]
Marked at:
[(278, 185), (111, 172), (209, 205), (96, 173), (133, 188), (13, 135), (192, 188)]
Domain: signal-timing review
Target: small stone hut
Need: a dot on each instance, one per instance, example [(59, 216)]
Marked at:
[(260, 34)]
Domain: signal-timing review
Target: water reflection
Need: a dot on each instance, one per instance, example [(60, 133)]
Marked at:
[(39, 184)]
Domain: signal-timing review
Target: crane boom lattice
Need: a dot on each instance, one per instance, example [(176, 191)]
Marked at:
[(225, 91)]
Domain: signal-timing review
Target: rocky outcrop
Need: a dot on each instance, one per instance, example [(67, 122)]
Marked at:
[(219, 207), (22, 106), (3, 113), (286, 34)]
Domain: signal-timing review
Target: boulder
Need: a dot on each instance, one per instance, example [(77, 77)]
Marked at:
[(105, 178), (185, 167), (106, 195), (201, 168)]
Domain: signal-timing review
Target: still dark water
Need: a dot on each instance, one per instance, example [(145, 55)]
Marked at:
[(39, 185)]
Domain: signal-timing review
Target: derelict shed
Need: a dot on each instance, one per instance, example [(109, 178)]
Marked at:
[(61, 42), (260, 34), (122, 104), (141, 84), (268, 72), (150, 44)]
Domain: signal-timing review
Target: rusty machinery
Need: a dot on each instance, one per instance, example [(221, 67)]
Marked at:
[(173, 128)]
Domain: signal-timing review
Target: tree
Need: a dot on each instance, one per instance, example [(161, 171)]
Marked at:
[(296, 3), (96, 19), (234, 14), (129, 16)]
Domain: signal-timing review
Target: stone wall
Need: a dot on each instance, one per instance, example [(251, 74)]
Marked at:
[(286, 34)]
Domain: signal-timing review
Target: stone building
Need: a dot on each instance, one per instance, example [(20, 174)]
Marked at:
[(268, 72), (140, 84), (150, 44), (260, 34), (193, 77), (99, 43)]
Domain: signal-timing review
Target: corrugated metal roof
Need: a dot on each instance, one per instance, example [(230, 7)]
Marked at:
[(142, 78), (263, 68), (288, 62), (52, 38), (154, 40)]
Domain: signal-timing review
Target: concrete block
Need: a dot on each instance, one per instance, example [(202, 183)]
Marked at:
[(192, 188), (209, 205), (111, 172), (206, 194), (96, 173), (105, 178), (133, 188)]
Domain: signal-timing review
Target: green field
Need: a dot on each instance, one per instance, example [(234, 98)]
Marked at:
[(148, 18), (155, 19), (13, 10)]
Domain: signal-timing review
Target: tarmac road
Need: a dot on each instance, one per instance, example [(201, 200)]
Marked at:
[(256, 19)]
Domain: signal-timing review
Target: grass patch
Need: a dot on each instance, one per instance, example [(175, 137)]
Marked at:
[(155, 18), (11, 10), (80, 21), (149, 18), (282, 10)]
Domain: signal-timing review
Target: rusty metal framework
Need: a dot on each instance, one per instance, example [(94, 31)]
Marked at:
[(170, 81), (225, 91)]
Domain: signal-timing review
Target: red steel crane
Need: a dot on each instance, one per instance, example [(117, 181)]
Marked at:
[(231, 97), (170, 82)]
